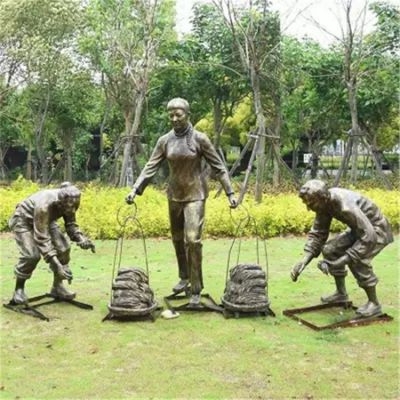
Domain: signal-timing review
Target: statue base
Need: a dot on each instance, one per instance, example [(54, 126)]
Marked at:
[(30, 308), (133, 315), (347, 323), (207, 303)]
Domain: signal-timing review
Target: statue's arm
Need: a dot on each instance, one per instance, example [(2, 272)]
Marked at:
[(41, 233), (316, 239), (75, 234), (215, 162), (151, 167), (363, 230), (318, 234), (72, 228)]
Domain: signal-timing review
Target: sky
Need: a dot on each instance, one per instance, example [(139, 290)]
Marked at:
[(299, 17)]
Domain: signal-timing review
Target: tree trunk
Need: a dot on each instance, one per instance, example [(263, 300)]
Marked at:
[(132, 137), (276, 144), (29, 163), (127, 150), (314, 164), (67, 156), (44, 166), (255, 82), (2, 165), (101, 133), (87, 168), (217, 123), (41, 151), (355, 130), (295, 157), (114, 176)]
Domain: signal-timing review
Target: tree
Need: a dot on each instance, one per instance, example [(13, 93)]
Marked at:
[(256, 34), (218, 70), (73, 112), (36, 36), (314, 106), (122, 40)]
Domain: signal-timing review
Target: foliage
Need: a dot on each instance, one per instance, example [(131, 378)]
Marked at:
[(313, 97), (73, 71), (278, 214)]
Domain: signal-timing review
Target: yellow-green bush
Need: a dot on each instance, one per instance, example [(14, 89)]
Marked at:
[(278, 214)]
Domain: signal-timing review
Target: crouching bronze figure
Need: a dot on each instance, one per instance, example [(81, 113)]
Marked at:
[(38, 235), (367, 234)]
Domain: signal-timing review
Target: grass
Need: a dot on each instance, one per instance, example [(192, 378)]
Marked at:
[(198, 355)]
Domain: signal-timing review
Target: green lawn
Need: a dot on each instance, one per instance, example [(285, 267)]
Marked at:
[(198, 355)]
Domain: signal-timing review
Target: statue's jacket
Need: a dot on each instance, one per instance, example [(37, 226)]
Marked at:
[(38, 214), (187, 180), (367, 225)]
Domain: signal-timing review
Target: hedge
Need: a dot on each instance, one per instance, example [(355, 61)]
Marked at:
[(278, 214)]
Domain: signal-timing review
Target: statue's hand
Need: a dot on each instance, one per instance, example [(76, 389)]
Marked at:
[(297, 270), (131, 197), (62, 272), (87, 244), (67, 273), (232, 201), (324, 266)]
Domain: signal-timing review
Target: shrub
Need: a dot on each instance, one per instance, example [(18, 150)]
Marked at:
[(278, 214)]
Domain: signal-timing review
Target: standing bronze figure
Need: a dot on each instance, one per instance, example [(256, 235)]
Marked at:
[(367, 234), (184, 148), (37, 234)]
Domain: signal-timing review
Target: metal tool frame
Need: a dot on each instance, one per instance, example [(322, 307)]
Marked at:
[(31, 309), (352, 322)]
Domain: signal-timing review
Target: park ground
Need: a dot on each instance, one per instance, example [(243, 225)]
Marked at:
[(198, 355)]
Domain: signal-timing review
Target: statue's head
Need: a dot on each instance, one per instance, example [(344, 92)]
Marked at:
[(69, 197), (314, 194), (179, 113)]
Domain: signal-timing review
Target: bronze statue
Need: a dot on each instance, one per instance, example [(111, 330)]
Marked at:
[(367, 234), (184, 148), (37, 234)]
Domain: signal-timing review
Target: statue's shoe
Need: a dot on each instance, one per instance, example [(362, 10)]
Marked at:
[(335, 298), (61, 292), (369, 309), (180, 286), (195, 300), (19, 297)]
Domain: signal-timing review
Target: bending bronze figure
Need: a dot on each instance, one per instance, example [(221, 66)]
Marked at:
[(367, 234), (37, 234), (184, 148)]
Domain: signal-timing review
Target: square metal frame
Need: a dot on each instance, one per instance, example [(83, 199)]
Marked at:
[(352, 322)]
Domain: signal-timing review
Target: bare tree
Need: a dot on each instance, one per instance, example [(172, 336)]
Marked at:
[(139, 67), (251, 36), (352, 40), (123, 39)]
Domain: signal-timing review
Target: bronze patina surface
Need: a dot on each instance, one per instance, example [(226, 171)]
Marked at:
[(185, 149), (367, 234), (38, 235)]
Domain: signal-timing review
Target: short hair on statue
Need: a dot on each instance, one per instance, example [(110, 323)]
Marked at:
[(314, 189), (67, 189), (180, 103)]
